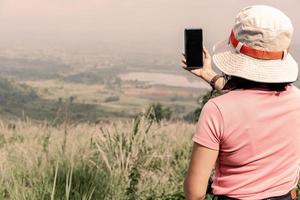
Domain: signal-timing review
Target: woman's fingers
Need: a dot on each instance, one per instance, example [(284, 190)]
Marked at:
[(183, 64), (183, 61)]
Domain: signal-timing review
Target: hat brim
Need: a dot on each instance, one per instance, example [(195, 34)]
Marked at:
[(229, 61)]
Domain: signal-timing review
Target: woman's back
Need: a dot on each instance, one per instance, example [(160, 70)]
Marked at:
[(257, 134)]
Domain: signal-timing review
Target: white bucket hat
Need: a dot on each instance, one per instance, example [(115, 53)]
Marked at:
[(258, 47)]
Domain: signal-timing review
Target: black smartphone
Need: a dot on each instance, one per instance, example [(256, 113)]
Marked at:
[(193, 48)]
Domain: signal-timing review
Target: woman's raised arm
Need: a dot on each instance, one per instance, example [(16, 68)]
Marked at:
[(206, 72)]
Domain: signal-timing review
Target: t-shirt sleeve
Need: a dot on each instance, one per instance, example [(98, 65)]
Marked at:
[(210, 127)]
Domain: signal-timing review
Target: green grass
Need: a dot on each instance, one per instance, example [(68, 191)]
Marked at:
[(122, 160)]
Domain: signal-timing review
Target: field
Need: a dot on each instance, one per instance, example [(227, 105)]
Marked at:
[(137, 159)]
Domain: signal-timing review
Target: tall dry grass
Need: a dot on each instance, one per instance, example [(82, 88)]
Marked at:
[(130, 160)]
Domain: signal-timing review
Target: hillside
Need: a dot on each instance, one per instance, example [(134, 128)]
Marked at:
[(14, 98), (56, 100), (19, 100)]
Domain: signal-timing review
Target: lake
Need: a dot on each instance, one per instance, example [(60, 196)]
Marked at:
[(164, 79)]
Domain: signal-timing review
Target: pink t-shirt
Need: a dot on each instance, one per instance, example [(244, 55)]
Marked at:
[(257, 134)]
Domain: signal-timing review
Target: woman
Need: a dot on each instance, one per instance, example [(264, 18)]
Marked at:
[(251, 134)]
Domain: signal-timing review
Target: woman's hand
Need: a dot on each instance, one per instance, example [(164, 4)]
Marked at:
[(206, 72)]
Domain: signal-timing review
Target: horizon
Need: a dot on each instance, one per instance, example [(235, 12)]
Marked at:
[(129, 26)]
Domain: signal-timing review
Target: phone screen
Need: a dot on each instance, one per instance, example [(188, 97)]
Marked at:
[(194, 48)]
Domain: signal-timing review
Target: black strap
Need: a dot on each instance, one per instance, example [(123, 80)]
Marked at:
[(292, 195)]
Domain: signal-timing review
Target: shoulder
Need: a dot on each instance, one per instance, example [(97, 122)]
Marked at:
[(211, 108), (226, 99), (210, 129), (211, 114)]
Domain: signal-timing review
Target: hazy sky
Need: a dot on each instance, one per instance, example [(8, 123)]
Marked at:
[(155, 25)]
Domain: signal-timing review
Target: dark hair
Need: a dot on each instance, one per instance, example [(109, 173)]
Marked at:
[(234, 82)]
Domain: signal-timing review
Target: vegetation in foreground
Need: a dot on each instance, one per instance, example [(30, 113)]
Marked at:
[(138, 159)]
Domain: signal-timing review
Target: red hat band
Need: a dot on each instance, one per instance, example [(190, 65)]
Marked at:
[(255, 53)]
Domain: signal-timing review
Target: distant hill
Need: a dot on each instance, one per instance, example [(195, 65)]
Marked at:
[(30, 69), (13, 96), (20, 100), (11, 91)]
